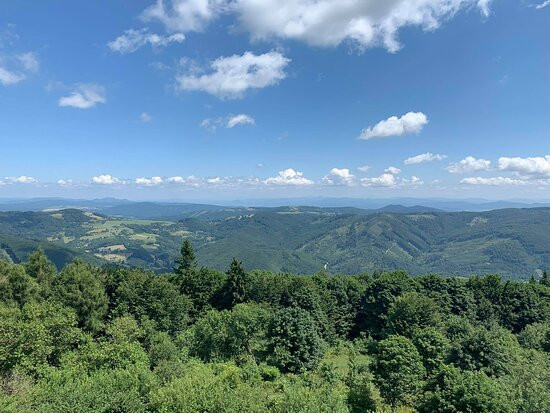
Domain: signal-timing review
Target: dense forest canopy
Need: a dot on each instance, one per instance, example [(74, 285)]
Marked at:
[(112, 339)]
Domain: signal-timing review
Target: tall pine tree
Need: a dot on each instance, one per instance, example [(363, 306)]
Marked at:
[(236, 284), (186, 260)]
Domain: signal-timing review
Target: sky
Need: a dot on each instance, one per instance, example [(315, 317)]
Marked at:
[(229, 99)]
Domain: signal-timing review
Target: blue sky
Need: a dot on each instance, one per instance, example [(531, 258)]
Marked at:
[(224, 99)]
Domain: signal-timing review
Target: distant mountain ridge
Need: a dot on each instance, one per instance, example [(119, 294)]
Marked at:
[(150, 209)]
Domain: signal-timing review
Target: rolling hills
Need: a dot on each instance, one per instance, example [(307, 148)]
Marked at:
[(512, 242)]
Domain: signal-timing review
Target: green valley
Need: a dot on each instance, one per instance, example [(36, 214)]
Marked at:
[(514, 243)]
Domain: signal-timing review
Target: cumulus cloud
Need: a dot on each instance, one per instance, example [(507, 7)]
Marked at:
[(215, 181), (289, 177), (393, 170), (411, 122), (230, 77), (325, 23), (414, 181), (185, 15), (424, 158), (65, 182), (364, 168), (240, 119), (85, 96), (176, 180), (469, 164), (542, 5), (155, 180), (133, 40), (20, 67), (105, 180), (534, 166), (495, 181), (339, 177), (384, 180), (23, 179), (145, 117), (8, 78)]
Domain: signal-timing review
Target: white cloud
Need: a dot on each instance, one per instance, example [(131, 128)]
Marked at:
[(469, 164), (542, 5), (289, 177), (8, 78), (215, 181), (393, 170), (228, 122), (240, 119), (145, 117), (65, 182), (364, 168), (411, 122), (534, 166), (415, 180), (495, 181), (20, 180), (316, 22), (423, 158), (132, 40), (232, 76), (15, 68), (29, 61), (384, 180), (105, 180), (339, 177), (85, 96), (184, 15), (331, 22), (155, 180), (176, 180)]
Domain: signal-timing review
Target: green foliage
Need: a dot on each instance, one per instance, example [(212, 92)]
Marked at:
[(36, 336), (223, 335), (203, 287), (128, 340), (79, 287), (378, 298), (363, 396), (107, 390), (536, 336), (521, 305), (398, 370), (235, 289), (15, 285), (42, 270), (409, 312), (295, 344), (470, 392), (528, 382), (433, 347), (148, 296), (490, 350), (186, 260)]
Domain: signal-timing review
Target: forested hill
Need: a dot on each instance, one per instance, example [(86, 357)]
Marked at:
[(514, 243)]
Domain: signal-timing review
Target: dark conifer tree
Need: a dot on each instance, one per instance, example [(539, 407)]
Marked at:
[(236, 284), (186, 260), (545, 279)]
